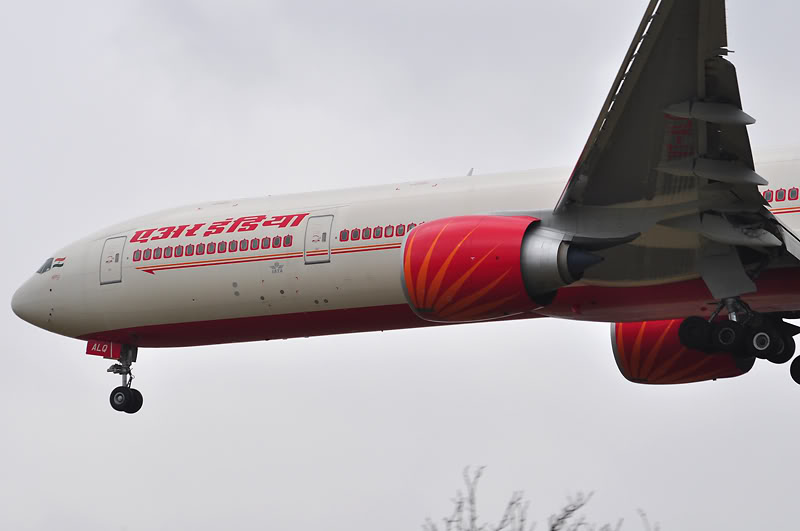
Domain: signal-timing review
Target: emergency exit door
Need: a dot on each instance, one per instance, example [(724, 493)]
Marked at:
[(111, 261), (318, 239)]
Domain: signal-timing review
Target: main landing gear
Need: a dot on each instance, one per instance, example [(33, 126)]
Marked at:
[(125, 398), (745, 334)]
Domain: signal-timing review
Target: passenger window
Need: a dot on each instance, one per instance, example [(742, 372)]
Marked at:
[(148, 254), (794, 193), (178, 251), (768, 196), (254, 244), (276, 242), (201, 249), (167, 252), (156, 253), (137, 255), (190, 250), (389, 231), (411, 226), (223, 246), (265, 241), (780, 195), (355, 234), (287, 240), (211, 248), (233, 246), (366, 234), (401, 229), (243, 245), (377, 232), (344, 235)]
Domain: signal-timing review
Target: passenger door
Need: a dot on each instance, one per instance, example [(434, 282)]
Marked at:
[(318, 240), (111, 260)]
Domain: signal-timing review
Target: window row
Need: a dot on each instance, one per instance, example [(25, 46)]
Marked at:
[(781, 194), (213, 248), (368, 233)]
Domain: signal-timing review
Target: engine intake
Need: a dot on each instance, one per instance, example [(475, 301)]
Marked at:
[(476, 268)]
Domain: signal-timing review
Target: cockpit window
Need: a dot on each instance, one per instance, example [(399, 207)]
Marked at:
[(46, 266)]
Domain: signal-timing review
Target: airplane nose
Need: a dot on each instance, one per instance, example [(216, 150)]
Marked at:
[(23, 304)]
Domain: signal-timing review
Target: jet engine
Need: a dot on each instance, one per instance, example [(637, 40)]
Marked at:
[(651, 352), (476, 268)]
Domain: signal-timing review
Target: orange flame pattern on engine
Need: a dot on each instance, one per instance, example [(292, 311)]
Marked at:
[(466, 268), (651, 353)]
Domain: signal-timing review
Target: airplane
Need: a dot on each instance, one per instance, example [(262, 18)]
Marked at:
[(663, 229)]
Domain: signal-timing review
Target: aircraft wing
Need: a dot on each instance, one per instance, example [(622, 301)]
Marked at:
[(669, 162)]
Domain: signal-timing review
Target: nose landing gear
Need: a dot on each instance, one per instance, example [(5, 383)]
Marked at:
[(746, 334), (125, 398)]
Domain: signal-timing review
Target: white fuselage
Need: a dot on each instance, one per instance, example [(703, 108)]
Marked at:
[(119, 283)]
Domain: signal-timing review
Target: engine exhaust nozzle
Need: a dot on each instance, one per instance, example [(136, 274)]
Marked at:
[(578, 261)]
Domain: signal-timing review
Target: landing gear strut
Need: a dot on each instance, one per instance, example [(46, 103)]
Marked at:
[(125, 398), (745, 334)]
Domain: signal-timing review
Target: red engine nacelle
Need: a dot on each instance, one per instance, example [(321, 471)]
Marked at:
[(651, 353), (475, 268), (466, 268)]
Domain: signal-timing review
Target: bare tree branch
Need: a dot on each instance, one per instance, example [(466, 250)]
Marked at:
[(465, 515), (559, 521), (472, 484), (646, 522)]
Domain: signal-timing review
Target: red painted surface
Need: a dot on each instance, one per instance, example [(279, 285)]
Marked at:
[(243, 224), (651, 353), (779, 291), (779, 211), (466, 268), (286, 255), (105, 349), (152, 269)]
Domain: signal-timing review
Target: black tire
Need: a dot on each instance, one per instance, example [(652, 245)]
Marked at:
[(120, 398), (785, 351), (135, 403), (795, 371), (695, 333), (744, 364), (762, 342), (727, 336)]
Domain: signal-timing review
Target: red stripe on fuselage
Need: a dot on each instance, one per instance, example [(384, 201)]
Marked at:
[(354, 250), (266, 327), (205, 263), (778, 291), (245, 259)]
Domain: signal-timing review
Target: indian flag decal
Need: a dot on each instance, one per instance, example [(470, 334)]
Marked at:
[(59, 262)]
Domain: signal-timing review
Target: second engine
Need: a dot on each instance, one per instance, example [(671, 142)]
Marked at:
[(651, 353)]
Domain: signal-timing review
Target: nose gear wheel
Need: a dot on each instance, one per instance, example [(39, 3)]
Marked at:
[(125, 398)]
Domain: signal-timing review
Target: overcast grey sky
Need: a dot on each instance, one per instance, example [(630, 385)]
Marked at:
[(110, 110)]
